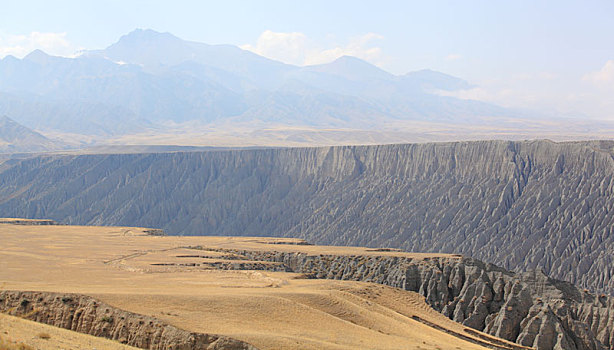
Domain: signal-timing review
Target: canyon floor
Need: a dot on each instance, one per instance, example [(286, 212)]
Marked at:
[(196, 284)]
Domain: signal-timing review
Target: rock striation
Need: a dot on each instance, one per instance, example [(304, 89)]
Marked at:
[(520, 205), (530, 308), (87, 315)]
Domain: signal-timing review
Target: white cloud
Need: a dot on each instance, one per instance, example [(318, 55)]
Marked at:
[(551, 94), (286, 47), (605, 75), (522, 89), (21, 45), (596, 93), (296, 48), (453, 57)]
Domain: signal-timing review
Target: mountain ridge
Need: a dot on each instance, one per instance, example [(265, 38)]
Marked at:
[(148, 79)]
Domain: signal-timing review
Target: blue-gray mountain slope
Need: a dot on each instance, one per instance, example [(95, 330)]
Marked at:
[(15, 138)]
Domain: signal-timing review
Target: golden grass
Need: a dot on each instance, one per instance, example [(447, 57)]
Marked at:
[(7, 345)]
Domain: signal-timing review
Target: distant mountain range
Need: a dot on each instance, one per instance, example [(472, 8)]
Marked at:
[(149, 79)]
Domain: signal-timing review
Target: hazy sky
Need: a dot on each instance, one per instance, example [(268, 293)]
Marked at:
[(554, 56)]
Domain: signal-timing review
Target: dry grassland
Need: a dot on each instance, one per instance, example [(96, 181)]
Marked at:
[(151, 275)]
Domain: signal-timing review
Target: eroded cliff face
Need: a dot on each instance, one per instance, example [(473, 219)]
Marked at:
[(529, 308), (87, 315), (520, 205)]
